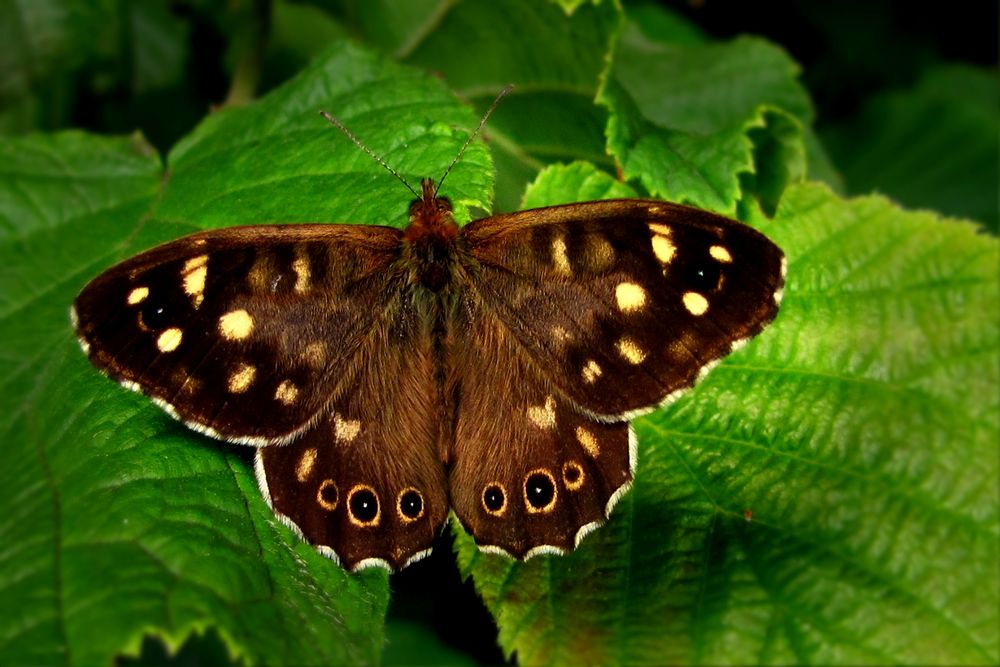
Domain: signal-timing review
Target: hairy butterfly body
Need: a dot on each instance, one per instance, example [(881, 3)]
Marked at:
[(388, 376)]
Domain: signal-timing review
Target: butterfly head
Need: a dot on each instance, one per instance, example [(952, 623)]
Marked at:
[(430, 216)]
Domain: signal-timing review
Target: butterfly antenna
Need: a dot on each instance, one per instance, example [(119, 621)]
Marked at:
[(502, 94), (368, 151)]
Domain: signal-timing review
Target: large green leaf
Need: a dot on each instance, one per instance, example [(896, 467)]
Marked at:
[(828, 495), (117, 522), (706, 123), (934, 146), (553, 56)]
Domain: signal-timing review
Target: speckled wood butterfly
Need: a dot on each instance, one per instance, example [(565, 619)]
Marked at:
[(388, 375)]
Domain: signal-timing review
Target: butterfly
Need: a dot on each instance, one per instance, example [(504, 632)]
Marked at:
[(388, 377)]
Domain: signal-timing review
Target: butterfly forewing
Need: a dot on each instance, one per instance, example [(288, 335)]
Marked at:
[(622, 303), (243, 333)]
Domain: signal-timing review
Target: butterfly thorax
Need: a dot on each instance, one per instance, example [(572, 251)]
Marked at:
[(429, 239)]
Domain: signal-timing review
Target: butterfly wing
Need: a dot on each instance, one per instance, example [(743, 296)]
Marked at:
[(366, 485), (242, 333), (622, 303), (530, 472), (576, 318), (303, 337)]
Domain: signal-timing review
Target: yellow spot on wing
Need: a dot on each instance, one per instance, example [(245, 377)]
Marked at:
[(346, 429), (695, 303), (663, 249), (302, 271), (599, 255), (560, 334), (720, 253), (236, 325), (306, 464), (631, 351), (169, 339), (630, 297), (559, 257), (138, 295), (242, 378), (543, 416), (195, 271), (286, 392), (657, 228), (587, 441), (591, 371), (315, 354)]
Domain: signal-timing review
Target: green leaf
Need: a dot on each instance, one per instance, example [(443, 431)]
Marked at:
[(692, 121), (553, 57), (826, 496), (119, 523), (934, 146)]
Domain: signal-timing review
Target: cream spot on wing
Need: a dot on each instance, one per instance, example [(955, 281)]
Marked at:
[(286, 392), (695, 303), (560, 334), (543, 416), (236, 325), (137, 296), (259, 272), (599, 254), (591, 371), (559, 257), (241, 379), (306, 464), (587, 441), (662, 230), (300, 266), (315, 354), (194, 272), (631, 351), (346, 429), (663, 249), (169, 339), (630, 297), (720, 254)]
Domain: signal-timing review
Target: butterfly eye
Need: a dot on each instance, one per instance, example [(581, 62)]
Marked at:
[(572, 475), (540, 491), (362, 504), (411, 505), (494, 499)]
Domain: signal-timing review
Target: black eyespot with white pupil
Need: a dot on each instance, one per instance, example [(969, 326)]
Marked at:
[(539, 490), (154, 315), (701, 274), (494, 499), (411, 504), (363, 505)]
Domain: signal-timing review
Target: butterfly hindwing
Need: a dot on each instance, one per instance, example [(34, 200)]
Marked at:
[(530, 472), (623, 303), (366, 483), (242, 333)]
